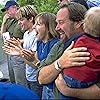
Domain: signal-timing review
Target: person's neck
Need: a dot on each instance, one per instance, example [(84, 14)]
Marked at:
[(31, 27), (46, 39)]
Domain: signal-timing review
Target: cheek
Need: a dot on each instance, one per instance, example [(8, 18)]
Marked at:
[(23, 25), (40, 29), (40, 32), (66, 27), (12, 12)]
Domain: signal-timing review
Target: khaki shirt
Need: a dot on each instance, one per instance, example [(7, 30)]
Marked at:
[(14, 29)]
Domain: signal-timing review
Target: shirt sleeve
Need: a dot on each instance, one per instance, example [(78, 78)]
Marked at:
[(53, 55)]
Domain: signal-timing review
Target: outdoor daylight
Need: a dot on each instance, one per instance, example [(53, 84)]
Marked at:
[(49, 49)]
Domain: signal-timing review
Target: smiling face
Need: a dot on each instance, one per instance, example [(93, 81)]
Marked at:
[(26, 17), (11, 11), (24, 23), (40, 28), (64, 24)]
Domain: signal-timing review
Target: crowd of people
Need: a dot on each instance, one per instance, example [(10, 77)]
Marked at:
[(52, 56)]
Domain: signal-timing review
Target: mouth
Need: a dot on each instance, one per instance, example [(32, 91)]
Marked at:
[(36, 31), (61, 32)]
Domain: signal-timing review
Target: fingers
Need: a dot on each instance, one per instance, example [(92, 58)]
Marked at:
[(71, 46), (26, 54), (80, 54), (79, 49), (13, 41), (80, 59), (77, 64)]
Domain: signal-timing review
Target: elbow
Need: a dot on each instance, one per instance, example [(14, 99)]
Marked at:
[(41, 81)]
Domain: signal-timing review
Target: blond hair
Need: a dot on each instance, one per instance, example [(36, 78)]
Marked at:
[(27, 12), (92, 21), (49, 20)]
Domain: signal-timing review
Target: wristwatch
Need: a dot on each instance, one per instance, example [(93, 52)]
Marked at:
[(57, 66)]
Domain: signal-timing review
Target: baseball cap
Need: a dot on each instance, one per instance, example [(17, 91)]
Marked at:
[(9, 4)]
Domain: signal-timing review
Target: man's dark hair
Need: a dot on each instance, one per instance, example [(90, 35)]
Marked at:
[(76, 11)]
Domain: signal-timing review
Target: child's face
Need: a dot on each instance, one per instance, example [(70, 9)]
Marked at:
[(24, 23)]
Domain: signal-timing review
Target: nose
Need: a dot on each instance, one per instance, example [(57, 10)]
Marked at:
[(57, 27)]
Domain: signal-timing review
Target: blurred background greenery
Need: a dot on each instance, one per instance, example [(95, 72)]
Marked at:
[(40, 5)]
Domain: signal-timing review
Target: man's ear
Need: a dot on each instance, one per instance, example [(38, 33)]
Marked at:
[(78, 24)]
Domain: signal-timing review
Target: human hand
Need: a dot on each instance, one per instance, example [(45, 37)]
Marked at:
[(11, 50), (73, 57), (62, 86), (29, 55), (13, 43)]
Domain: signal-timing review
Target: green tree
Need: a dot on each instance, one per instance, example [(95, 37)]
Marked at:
[(41, 5), (1, 15), (46, 5)]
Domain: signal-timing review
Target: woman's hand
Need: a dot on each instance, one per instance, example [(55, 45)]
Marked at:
[(29, 55)]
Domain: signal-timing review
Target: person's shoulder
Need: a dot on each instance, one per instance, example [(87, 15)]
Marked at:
[(57, 46), (9, 21)]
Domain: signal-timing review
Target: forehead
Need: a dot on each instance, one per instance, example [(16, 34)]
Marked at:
[(40, 19), (62, 14)]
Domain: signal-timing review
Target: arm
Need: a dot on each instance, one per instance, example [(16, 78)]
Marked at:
[(70, 57), (92, 92), (3, 26)]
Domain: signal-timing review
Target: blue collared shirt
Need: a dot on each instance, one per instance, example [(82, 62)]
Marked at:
[(93, 3)]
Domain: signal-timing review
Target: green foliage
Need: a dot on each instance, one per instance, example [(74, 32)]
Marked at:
[(46, 5), (1, 15), (40, 5)]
